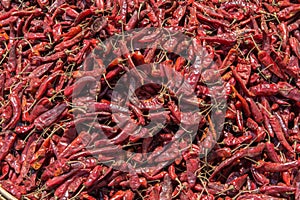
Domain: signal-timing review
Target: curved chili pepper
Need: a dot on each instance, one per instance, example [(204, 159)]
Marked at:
[(83, 15), (97, 174), (56, 168), (256, 113), (43, 88), (27, 155), (288, 91), (123, 135), (79, 143), (40, 156), (54, 182), (60, 191), (259, 177), (279, 134), (6, 114), (250, 152), (16, 110), (40, 70), (241, 82), (9, 140), (48, 118), (78, 86), (233, 141), (245, 106), (271, 152), (20, 130)]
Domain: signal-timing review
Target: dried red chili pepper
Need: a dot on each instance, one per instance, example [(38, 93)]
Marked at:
[(250, 152), (16, 110), (48, 118), (277, 167)]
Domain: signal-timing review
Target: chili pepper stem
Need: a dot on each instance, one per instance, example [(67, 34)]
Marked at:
[(256, 46), (204, 186), (251, 160), (78, 193), (244, 191), (231, 187), (6, 194), (31, 106), (29, 134), (107, 82), (140, 194), (76, 161)]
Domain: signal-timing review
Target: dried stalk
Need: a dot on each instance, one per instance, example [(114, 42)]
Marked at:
[(5, 195)]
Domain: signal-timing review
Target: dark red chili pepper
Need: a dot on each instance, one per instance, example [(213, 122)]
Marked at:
[(50, 58), (241, 82), (276, 189), (288, 91), (83, 15), (54, 182), (55, 169), (233, 141), (6, 114), (78, 86), (288, 12), (60, 191), (259, 177), (9, 140), (97, 174), (214, 22), (74, 186), (16, 110), (48, 118), (256, 113), (250, 152), (21, 130), (2, 85), (256, 197), (166, 189), (239, 120), (67, 44), (270, 150), (14, 189), (26, 160), (123, 135), (176, 114), (43, 88), (40, 156), (245, 106), (80, 142), (43, 105), (279, 134), (40, 70), (265, 89), (4, 170), (14, 162), (277, 167)]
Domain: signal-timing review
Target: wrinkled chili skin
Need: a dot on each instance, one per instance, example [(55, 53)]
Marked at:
[(50, 116), (56, 74), (16, 110)]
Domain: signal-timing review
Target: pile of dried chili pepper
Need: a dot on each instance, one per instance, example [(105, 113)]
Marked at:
[(45, 66)]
